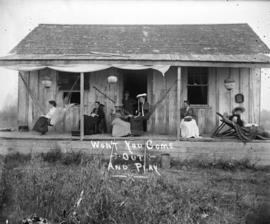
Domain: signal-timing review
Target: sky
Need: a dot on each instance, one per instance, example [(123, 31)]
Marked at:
[(19, 17)]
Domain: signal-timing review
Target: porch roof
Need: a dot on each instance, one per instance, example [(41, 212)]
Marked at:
[(149, 44)]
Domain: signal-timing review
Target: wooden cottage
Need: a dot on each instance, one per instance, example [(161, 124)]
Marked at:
[(216, 67)]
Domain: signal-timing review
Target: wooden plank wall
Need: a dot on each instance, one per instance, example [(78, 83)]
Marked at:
[(23, 100), (205, 114), (151, 99), (163, 120), (28, 111), (255, 95), (247, 82), (164, 117), (114, 91)]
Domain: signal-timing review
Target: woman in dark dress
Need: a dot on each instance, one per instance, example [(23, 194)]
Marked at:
[(43, 122), (95, 122), (257, 130), (128, 104), (102, 127), (236, 116)]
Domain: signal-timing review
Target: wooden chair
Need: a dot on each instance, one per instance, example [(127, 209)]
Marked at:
[(225, 128), (228, 128)]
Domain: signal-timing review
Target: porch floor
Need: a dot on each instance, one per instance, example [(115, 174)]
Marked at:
[(31, 135)]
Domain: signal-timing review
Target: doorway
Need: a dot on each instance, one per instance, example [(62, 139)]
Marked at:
[(135, 82)]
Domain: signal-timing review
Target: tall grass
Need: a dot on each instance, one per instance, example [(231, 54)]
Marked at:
[(50, 184)]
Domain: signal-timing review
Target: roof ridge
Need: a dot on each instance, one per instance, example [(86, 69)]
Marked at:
[(118, 24)]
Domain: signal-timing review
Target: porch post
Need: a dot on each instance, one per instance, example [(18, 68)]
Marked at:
[(81, 106), (178, 98)]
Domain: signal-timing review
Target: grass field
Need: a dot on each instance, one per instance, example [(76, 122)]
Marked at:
[(49, 186)]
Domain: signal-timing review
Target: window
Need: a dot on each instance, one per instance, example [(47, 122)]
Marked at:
[(69, 83), (72, 97), (197, 85)]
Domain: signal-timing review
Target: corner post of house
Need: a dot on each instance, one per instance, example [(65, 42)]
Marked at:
[(81, 106), (178, 98)]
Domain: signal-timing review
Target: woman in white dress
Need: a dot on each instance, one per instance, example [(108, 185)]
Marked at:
[(188, 125)]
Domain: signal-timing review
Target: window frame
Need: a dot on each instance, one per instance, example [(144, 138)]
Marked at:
[(86, 81), (206, 105), (64, 91), (70, 92)]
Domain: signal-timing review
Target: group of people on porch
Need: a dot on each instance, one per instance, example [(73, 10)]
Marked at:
[(130, 119)]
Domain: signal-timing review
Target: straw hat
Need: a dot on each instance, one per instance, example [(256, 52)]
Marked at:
[(242, 109), (141, 95)]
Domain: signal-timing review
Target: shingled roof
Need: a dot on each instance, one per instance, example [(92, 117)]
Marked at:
[(186, 42)]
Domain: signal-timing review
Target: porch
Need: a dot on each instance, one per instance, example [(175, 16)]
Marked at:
[(202, 86)]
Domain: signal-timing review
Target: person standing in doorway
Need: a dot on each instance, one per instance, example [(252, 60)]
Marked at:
[(128, 104)]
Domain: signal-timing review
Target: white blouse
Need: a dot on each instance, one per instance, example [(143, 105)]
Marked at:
[(51, 112)]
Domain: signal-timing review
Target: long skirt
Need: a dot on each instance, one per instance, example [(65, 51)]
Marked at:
[(90, 125), (41, 125), (189, 129), (120, 128), (138, 125), (93, 125)]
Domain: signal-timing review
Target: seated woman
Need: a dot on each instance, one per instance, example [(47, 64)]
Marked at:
[(102, 127), (95, 122), (188, 126), (257, 130), (120, 127), (45, 120), (236, 116)]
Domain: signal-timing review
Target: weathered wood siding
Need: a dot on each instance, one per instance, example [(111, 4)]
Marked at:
[(247, 82), (163, 120), (23, 100), (114, 91), (28, 110), (205, 114)]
